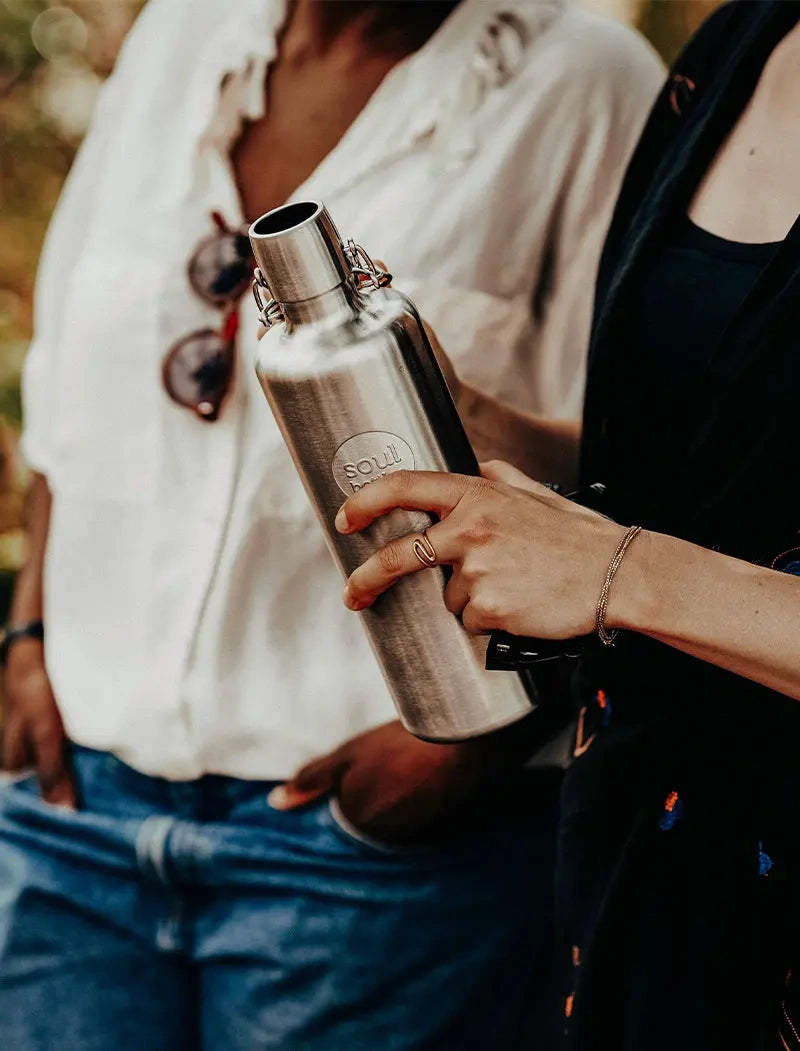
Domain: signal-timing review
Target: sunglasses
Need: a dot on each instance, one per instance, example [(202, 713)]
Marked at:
[(198, 369)]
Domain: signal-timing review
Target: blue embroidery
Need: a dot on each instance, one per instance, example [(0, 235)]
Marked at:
[(765, 862), (792, 567), (673, 811)]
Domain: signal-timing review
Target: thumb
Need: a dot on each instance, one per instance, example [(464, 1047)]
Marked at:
[(317, 778)]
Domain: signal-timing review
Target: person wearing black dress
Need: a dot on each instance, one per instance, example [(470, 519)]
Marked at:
[(679, 864)]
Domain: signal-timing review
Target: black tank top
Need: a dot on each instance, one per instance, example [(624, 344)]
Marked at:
[(710, 278), (691, 290)]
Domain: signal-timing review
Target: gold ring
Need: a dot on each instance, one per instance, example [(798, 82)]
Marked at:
[(425, 551)]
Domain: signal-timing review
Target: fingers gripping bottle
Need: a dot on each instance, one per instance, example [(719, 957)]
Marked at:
[(357, 393)]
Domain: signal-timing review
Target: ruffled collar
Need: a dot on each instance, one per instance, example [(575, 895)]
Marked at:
[(477, 49)]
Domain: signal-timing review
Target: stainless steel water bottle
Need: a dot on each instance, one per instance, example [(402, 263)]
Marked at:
[(357, 393)]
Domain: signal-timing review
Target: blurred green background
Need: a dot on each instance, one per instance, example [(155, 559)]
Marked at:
[(53, 58)]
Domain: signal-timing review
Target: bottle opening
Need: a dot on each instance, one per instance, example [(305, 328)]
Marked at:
[(299, 252), (287, 217)]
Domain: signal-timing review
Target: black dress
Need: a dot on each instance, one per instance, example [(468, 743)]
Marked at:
[(678, 879)]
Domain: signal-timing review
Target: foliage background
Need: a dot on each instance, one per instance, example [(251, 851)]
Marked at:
[(54, 54)]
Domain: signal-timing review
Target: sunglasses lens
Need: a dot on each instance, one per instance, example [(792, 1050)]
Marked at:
[(221, 268), (197, 372)]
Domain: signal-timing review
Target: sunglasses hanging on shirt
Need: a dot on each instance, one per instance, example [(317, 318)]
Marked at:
[(198, 369)]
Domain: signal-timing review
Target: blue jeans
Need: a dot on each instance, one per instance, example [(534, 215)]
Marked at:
[(169, 916)]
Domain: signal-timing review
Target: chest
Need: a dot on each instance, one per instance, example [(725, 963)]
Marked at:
[(751, 191), (310, 108)]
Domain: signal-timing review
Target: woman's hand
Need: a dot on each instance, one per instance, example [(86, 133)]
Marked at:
[(524, 560), (532, 563)]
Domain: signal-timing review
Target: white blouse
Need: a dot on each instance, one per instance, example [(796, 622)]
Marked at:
[(194, 616)]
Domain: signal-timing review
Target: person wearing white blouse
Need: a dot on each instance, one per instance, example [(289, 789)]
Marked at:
[(178, 647)]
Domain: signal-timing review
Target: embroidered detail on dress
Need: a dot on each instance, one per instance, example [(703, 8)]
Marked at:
[(765, 862), (680, 93), (581, 742), (673, 811), (787, 1031), (569, 1003), (788, 562), (604, 705), (583, 736)]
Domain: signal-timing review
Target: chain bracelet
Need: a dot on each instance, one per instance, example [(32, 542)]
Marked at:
[(605, 636)]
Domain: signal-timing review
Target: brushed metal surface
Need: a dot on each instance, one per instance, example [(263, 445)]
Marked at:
[(345, 389), (300, 252)]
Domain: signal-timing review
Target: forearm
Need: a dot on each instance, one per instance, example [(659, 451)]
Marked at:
[(27, 602), (730, 613), (544, 449)]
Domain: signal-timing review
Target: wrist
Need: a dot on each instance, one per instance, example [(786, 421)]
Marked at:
[(22, 645), (637, 593)]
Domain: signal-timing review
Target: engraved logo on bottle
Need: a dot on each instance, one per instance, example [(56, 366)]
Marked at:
[(367, 456)]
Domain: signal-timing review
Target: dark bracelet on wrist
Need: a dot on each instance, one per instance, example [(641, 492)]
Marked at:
[(34, 629)]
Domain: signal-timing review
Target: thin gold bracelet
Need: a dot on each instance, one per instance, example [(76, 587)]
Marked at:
[(608, 637)]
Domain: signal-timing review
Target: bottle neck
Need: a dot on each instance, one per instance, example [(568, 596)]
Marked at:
[(336, 306)]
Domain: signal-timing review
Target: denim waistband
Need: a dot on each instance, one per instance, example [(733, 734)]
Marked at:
[(102, 777)]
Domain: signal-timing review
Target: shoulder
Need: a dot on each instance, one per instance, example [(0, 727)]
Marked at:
[(661, 142), (167, 21), (592, 50), (172, 62), (170, 37), (586, 76), (708, 51)]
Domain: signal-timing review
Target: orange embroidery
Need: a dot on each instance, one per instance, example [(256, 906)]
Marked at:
[(680, 93), (581, 742)]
